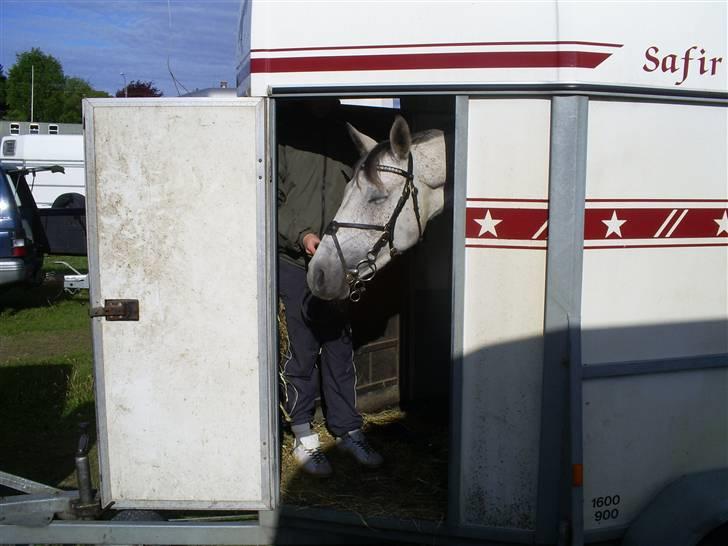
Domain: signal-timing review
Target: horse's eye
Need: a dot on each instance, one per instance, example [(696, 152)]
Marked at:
[(378, 198)]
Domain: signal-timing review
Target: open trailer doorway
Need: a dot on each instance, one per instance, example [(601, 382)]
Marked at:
[(401, 336)]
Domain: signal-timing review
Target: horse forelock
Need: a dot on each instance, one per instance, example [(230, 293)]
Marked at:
[(370, 162)]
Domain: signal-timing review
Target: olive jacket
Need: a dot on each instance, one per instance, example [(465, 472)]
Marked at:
[(311, 182)]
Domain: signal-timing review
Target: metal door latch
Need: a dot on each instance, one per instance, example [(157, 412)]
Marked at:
[(117, 310)]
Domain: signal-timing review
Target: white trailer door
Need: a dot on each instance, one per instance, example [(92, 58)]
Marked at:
[(179, 220)]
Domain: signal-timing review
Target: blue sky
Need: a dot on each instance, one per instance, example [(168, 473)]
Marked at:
[(98, 39)]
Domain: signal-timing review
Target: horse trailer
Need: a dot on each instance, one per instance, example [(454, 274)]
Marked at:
[(566, 313)]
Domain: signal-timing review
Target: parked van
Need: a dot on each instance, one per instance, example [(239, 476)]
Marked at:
[(28, 151)]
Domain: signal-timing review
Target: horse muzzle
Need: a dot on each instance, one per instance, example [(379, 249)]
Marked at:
[(326, 280)]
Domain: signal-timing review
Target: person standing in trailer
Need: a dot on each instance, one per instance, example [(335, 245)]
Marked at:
[(315, 155)]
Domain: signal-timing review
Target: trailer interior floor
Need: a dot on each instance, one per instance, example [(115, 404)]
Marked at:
[(412, 483)]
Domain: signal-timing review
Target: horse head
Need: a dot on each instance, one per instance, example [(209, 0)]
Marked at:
[(396, 188)]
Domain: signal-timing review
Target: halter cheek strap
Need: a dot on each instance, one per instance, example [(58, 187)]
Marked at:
[(366, 269)]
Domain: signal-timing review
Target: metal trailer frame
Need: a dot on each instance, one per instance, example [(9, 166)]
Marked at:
[(561, 390)]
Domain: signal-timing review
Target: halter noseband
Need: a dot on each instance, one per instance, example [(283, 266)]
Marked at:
[(366, 269)]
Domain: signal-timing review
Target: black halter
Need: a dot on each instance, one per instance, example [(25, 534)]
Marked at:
[(366, 269)]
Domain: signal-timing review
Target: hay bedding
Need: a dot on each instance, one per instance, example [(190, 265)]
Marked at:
[(412, 484)]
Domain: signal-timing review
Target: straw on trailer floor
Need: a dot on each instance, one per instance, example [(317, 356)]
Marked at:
[(412, 484)]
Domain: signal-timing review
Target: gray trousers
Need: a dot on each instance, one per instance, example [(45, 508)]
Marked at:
[(318, 332)]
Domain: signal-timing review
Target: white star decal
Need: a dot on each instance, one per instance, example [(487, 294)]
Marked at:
[(722, 223), (487, 224), (614, 225)]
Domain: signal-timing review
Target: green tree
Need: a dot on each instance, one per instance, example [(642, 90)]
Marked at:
[(138, 88), (3, 103), (48, 87), (75, 90)]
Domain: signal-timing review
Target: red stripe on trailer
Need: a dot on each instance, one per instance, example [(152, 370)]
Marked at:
[(678, 200), (625, 246), (453, 44), (601, 224), (649, 223), (481, 59), (506, 223), (669, 245), (508, 247)]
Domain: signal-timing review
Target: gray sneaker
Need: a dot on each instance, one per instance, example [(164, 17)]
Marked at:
[(308, 455), (355, 443)]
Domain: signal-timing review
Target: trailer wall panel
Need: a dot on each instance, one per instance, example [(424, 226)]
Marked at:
[(503, 344), (643, 432), (656, 232), (655, 289)]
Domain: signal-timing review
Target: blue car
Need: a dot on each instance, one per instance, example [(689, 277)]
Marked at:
[(22, 239)]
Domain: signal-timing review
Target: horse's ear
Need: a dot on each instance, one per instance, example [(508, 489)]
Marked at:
[(362, 142), (399, 138)]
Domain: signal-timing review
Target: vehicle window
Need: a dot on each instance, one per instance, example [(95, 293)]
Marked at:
[(13, 191), (23, 192), (26, 205), (6, 196), (9, 147)]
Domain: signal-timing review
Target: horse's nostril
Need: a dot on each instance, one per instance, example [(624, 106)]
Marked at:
[(319, 278)]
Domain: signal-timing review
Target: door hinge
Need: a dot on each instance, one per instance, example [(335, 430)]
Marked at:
[(117, 310)]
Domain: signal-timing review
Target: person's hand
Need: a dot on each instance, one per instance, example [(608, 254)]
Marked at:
[(310, 242)]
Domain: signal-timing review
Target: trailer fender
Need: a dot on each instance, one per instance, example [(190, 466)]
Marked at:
[(684, 512)]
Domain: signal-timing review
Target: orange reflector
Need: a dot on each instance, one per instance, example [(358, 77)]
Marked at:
[(577, 475)]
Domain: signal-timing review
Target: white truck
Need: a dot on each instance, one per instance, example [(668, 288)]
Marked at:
[(577, 284), (29, 151)]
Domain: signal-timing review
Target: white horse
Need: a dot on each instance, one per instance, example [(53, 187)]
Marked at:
[(396, 188)]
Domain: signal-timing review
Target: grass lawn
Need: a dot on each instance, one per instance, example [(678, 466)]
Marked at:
[(46, 380)]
